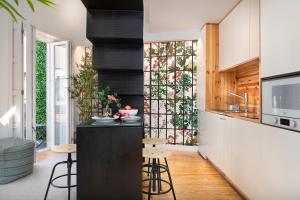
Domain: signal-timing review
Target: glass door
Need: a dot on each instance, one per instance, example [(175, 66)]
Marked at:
[(59, 120)]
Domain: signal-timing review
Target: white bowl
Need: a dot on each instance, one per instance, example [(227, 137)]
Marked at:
[(131, 119), (132, 112), (104, 119)]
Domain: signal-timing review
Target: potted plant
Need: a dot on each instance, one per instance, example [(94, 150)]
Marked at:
[(84, 88), (107, 99)]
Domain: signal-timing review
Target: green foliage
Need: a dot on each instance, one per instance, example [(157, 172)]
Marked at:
[(41, 132), (11, 9), (41, 93), (84, 88), (107, 98)]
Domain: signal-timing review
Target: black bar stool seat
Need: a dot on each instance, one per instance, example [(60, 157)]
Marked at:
[(69, 149)]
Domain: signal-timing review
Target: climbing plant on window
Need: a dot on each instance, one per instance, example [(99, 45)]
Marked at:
[(170, 91)]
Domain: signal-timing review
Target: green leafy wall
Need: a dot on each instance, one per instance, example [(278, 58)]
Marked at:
[(41, 67)]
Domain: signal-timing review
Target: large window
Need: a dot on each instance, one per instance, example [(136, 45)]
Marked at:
[(170, 93)]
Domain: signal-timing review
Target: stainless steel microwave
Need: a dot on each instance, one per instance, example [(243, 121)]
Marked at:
[(281, 102)]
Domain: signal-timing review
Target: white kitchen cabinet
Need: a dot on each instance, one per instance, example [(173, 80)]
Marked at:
[(215, 138), (280, 41), (261, 161), (254, 29), (245, 157), (239, 35), (224, 135), (202, 133), (211, 136), (279, 163)]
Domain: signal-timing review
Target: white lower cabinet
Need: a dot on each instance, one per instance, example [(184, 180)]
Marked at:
[(215, 136), (245, 157), (263, 162), (279, 164)]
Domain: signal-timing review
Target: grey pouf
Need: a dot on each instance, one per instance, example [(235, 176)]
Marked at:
[(16, 159)]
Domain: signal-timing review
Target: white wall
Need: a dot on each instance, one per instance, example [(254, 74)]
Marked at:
[(67, 21), (5, 75)]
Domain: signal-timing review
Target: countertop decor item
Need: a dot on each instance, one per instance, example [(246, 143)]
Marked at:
[(84, 88), (107, 99), (131, 119), (129, 110), (103, 119)]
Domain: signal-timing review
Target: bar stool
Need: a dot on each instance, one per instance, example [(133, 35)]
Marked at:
[(155, 180), (69, 149), (154, 142)]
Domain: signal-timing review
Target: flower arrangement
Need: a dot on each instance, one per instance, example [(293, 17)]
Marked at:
[(107, 98)]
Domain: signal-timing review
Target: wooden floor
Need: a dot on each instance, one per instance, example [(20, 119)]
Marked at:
[(194, 178)]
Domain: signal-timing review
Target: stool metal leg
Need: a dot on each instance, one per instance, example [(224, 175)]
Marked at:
[(159, 176), (150, 181), (148, 172), (69, 175), (154, 174), (52, 173), (170, 179)]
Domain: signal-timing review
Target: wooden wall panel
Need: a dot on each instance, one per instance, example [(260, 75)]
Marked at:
[(212, 74)]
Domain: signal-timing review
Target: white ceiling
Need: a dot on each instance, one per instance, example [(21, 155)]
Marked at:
[(163, 18), (180, 15)]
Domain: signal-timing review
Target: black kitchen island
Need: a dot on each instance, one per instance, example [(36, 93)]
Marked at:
[(109, 156), (109, 160)]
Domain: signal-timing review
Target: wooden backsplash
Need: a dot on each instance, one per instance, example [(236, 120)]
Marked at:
[(241, 79)]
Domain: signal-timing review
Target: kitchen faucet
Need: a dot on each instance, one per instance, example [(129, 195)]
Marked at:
[(245, 97)]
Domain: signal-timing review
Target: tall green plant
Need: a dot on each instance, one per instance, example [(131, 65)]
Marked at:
[(11, 8), (84, 88)]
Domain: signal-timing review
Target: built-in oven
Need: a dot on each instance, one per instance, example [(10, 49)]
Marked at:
[(281, 102)]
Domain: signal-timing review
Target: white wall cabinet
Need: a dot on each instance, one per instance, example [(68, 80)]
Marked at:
[(254, 29), (239, 35), (280, 41), (255, 157)]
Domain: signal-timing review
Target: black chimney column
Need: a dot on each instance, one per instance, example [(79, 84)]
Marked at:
[(115, 28)]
